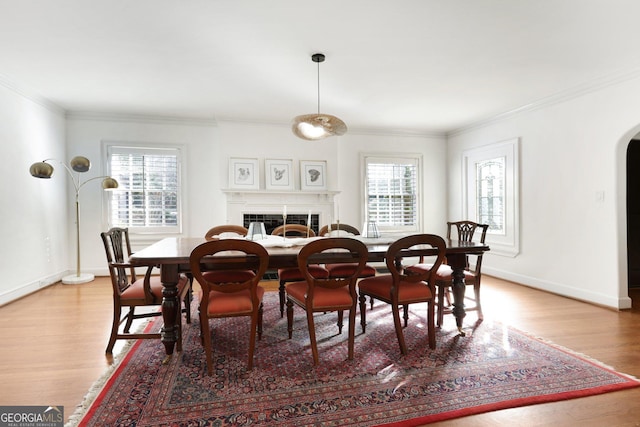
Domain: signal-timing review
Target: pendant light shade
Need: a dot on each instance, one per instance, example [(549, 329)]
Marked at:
[(318, 126)]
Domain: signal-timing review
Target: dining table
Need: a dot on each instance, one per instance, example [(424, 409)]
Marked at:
[(171, 255)]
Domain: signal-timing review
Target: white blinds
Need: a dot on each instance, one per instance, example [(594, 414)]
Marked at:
[(148, 191), (392, 192)]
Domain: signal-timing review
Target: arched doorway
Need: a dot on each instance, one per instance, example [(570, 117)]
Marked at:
[(633, 212)]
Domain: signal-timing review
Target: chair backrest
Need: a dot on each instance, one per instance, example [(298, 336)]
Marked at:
[(416, 245), (329, 229), (342, 250), (294, 230), (118, 249), (241, 255), (466, 230), (226, 228)]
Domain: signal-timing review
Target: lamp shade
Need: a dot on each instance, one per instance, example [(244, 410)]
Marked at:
[(317, 126), (109, 183), (41, 170), (80, 164)]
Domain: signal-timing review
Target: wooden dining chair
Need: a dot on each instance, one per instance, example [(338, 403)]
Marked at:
[(225, 229), (401, 288), (236, 297), (293, 274), (344, 269), (327, 294), (465, 232), (132, 292)]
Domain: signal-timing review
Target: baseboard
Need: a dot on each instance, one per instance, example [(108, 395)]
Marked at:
[(28, 288)]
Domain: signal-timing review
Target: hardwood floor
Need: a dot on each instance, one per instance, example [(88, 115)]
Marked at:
[(54, 341)]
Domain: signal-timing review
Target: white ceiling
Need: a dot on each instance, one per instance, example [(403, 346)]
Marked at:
[(403, 65)]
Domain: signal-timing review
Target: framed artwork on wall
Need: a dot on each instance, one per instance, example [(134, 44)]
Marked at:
[(313, 175), (244, 173), (279, 174)]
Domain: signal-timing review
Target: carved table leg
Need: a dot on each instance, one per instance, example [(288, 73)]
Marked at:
[(170, 308), (457, 263)]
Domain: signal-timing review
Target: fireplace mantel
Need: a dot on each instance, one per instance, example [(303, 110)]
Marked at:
[(240, 202)]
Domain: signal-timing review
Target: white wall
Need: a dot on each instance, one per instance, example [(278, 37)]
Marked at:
[(208, 149), (33, 211), (571, 242)]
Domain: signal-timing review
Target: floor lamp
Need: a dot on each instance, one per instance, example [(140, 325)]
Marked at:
[(78, 164)]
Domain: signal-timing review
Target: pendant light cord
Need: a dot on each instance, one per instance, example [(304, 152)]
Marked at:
[(318, 87)]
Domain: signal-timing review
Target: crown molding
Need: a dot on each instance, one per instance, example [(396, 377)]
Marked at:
[(30, 95), (563, 96), (140, 118)]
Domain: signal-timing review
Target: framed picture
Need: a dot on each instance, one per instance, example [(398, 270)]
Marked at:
[(313, 175), (244, 173), (278, 174)]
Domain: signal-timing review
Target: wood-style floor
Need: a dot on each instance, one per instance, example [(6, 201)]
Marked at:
[(53, 345)]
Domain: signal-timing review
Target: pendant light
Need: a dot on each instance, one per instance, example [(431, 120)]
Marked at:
[(318, 126)]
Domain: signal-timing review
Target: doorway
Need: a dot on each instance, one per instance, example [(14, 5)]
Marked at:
[(633, 213)]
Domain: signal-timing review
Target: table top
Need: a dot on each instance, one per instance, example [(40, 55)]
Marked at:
[(176, 250)]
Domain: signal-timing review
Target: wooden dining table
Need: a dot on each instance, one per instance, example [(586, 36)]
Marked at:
[(171, 254)]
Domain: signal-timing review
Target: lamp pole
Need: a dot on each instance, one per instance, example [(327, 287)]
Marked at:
[(78, 164)]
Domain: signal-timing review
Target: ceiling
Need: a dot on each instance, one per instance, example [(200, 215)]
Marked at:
[(418, 66)]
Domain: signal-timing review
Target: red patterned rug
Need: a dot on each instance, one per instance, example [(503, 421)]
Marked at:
[(493, 367)]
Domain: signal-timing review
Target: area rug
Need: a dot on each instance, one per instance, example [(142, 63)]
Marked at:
[(493, 367)]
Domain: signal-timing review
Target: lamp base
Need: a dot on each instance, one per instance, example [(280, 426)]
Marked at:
[(74, 279)]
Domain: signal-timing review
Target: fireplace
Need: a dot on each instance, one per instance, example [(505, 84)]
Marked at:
[(271, 221), (244, 207)]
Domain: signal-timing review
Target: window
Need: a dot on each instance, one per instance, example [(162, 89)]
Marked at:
[(492, 193), (148, 195), (391, 192)]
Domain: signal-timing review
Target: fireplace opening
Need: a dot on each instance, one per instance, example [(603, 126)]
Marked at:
[(271, 221)]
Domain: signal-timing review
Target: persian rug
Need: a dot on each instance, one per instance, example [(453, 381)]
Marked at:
[(493, 367)]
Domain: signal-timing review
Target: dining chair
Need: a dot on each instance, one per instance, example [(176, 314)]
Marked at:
[(132, 292), (293, 274), (465, 231), (225, 229), (232, 298), (402, 287), (345, 269), (327, 294)]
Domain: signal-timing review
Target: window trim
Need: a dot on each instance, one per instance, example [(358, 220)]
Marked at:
[(507, 244), (180, 150), (393, 158)]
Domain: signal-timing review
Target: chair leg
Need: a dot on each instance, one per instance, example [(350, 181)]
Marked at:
[(289, 317), (282, 298), (405, 310), (312, 337), (371, 302), (117, 312), (476, 290), (130, 315), (206, 340), (441, 291), (431, 327), (396, 321), (340, 320), (352, 330), (363, 311)]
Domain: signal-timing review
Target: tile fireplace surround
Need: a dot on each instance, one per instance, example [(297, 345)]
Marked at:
[(320, 204)]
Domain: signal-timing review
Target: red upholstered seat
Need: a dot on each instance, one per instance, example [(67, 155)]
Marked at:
[(221, 303), (229, 276), (294, 273), (408, 292)]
